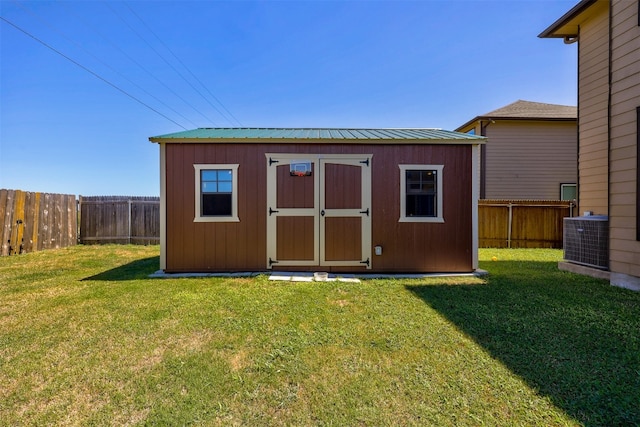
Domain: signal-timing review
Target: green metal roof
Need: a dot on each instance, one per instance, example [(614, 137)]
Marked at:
[(317, 135)]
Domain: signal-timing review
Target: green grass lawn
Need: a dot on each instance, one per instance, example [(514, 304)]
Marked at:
[(87, 339)]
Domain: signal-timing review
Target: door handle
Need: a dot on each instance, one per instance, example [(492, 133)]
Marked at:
[(322, 212)]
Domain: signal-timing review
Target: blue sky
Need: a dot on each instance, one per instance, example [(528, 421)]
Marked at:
[(430, 63)]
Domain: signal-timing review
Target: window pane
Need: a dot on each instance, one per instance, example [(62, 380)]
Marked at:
[(209, 187), (429, 187), (421, 205), (209, 175), (224, 175), (421, 181), (413, 187), (568, 192), (224, 187), (216, 205)]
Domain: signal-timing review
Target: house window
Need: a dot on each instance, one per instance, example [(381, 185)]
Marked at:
[(421, 193), (216, 193), (568, 192)]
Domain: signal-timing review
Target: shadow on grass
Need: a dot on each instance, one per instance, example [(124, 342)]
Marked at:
[(571, 338), (136, 270)]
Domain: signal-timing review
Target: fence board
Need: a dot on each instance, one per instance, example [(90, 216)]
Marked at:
[(36, 221), (120, 219), (522, 223), (6, 205)]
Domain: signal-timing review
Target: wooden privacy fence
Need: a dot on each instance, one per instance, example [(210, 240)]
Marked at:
[(37, 221), (118, 219), (522, 223)]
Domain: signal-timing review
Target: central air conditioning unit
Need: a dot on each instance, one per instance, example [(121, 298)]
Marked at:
[(586, 240)]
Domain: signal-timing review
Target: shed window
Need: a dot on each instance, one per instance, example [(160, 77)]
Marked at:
[(421, 193), (216, 193)]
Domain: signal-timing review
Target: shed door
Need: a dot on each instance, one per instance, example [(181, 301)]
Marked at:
[(322, 218)]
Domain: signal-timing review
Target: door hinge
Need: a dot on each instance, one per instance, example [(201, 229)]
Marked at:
[(271, 262), (366, 262), (271, 161), (365, 212), (271, 211), (365, 162)]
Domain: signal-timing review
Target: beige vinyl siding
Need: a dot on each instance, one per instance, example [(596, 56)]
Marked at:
[(625, 97), (593, 51), (529, 159)]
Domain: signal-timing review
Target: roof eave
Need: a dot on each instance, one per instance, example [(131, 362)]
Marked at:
[(469, 124), (558, 29), (465, 141)]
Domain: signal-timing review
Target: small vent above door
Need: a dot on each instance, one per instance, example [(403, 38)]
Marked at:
[(586, 241)]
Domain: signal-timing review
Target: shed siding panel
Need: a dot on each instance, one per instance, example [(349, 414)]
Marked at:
[(430, 246), (625, 97), (529, 160), (423, 247), (593, 52)]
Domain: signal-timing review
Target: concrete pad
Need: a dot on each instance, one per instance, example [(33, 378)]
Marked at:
[(584, 270), (283, 277), (625, 281), (310, 277), (348, 279), (303, 276)]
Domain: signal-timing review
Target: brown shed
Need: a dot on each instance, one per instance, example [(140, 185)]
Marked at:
[(338, 200)]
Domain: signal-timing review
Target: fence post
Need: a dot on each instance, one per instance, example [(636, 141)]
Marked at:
[(510, 225), (129, 220), (79, 218)]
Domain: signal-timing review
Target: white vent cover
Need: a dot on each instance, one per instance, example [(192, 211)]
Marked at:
[(586, 240)]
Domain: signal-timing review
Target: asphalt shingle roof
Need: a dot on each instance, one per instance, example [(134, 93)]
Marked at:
[(535, 110), (528, 110)]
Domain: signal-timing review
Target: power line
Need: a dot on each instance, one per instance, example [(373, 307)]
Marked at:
[(78, 17), (157, 53), (186, 68), (89, 71), (100, 60)]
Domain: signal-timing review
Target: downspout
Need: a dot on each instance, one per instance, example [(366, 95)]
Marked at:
[(578, 128), (610, 63), (609, 72), (638, 170), (572, 40)]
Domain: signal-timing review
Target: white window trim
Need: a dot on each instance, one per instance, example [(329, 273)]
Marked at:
[(234, 195), (403, 193)]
